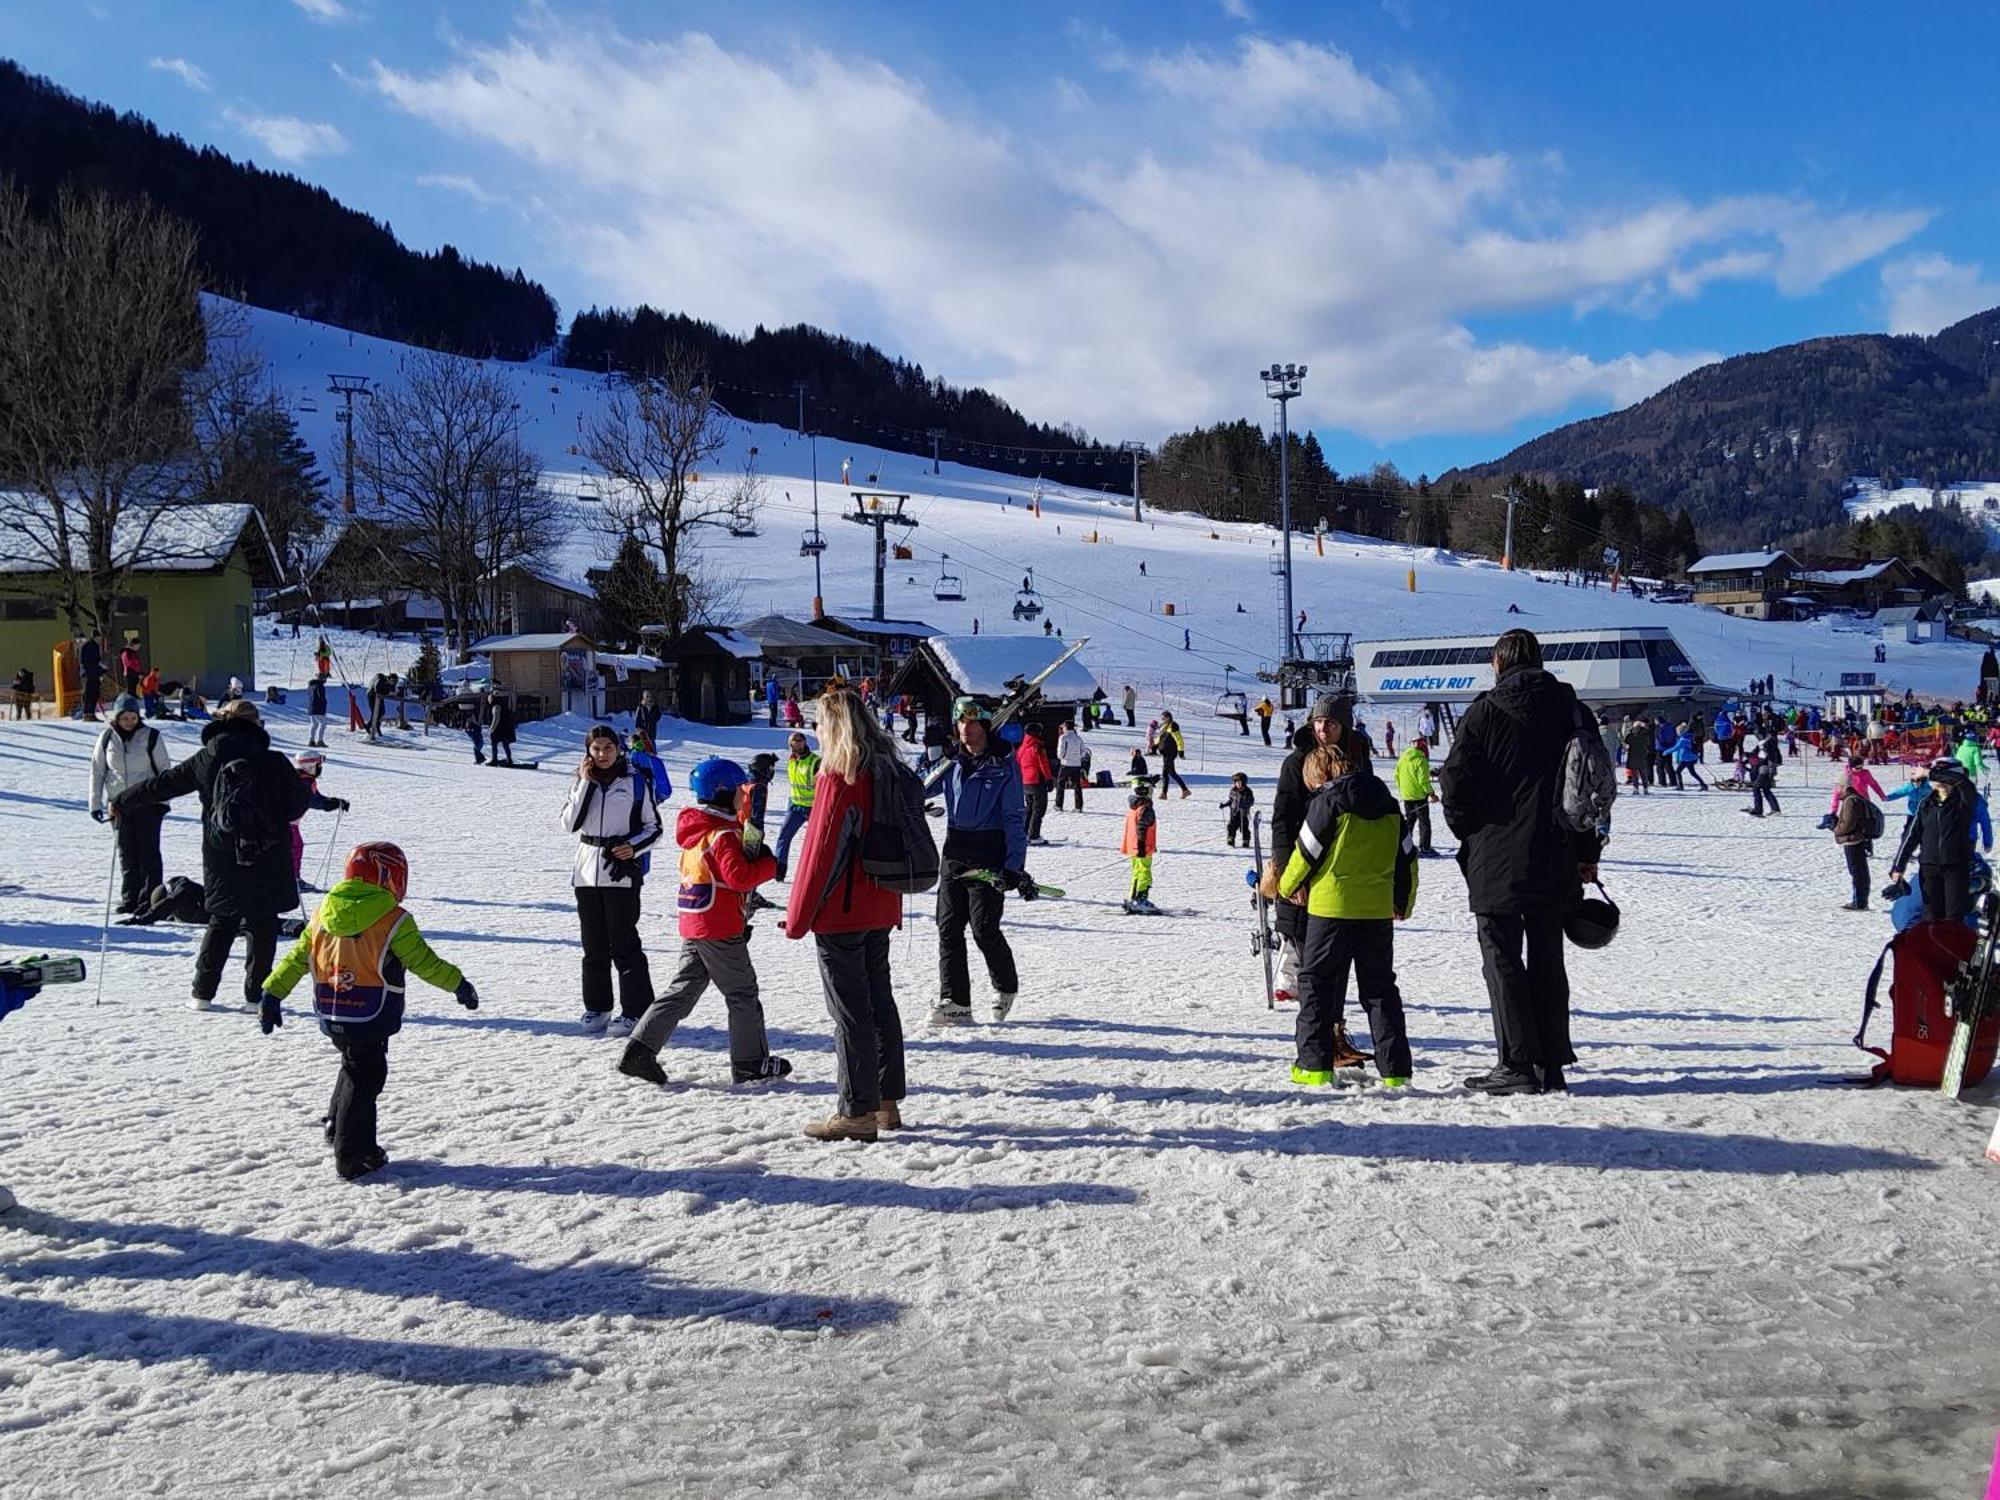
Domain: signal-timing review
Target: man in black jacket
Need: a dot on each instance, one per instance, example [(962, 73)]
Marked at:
[(247, 880), (1331, 718), (1523, 870), (1939, 837)]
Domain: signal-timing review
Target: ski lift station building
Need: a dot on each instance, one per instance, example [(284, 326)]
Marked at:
[(1632, 668), (946, 668)]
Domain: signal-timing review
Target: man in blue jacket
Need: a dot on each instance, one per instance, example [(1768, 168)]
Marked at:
[(985, 847)]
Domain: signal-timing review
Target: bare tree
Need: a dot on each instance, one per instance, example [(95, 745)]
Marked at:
[(459, 489), (101, 335), (650, 441)]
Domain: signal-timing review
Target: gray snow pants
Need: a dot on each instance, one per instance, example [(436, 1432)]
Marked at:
[(725, 963)]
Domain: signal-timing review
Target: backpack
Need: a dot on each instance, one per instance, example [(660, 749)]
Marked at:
[(1873, 824), (897, 850), (244, 813), (1930, 957), (1589, 780)]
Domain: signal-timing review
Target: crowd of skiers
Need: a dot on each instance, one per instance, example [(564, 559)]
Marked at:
[(1346, 848)]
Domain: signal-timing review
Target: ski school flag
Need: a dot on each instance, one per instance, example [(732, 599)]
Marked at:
[(1993, 1154)]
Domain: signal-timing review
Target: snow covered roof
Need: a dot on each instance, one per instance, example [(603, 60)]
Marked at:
[(783, 634), (1739, 562), (1838, 576), (553, 640), (181, 538), (553, 580), (613, 661), (913, 629), (983, 665)]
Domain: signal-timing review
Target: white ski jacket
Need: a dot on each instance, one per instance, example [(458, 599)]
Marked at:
[(117, 763), (1071, 748), (603, 817)]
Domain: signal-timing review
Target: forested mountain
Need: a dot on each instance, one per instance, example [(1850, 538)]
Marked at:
[(266, 237), (853, 391), (1760, 447)]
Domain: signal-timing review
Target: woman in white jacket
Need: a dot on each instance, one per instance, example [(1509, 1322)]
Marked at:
[(128, 752), (610, 808)]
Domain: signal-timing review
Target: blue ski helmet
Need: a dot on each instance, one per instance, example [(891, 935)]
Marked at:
[(716, 779)]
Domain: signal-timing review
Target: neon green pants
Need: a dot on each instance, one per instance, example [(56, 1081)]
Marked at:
[(1142, 875)]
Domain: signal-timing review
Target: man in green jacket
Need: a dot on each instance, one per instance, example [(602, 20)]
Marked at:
[(1413, 787), (1358, 872), (801, 774)]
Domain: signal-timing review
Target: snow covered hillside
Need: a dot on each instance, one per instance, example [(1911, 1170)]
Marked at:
[(1114, 1252), (1978, 499), (1087, 553)]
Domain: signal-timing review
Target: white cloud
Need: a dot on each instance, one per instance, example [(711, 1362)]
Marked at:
[(1923, 293), (1270, 83), (326, 12), (287, 137), (182, 69), (1237, 10), (1132, 288), (458, 182)]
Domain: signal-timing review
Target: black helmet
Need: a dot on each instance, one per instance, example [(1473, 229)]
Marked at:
[(1593, 924)]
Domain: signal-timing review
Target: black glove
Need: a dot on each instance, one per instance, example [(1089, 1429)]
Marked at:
[(269, 1014), (1024, 885), (466, 995), (100, 815), (341, 804)]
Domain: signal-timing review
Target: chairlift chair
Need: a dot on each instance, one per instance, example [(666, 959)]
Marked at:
[(1234, 704), (812, 543), (1028, 603), (949, 586)]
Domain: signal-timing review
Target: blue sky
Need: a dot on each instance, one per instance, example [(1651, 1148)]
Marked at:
[(1473, 220)]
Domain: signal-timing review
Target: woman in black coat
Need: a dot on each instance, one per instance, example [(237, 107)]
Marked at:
[(248, 882)]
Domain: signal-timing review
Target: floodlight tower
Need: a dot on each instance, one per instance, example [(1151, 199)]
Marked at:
[(1281, 384)]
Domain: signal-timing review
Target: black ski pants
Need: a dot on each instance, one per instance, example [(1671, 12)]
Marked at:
[(1070, 777), (364, 1070), (1857, 871), (609, 917), (1239, 823), (1037, 798), (1760, 793), (1417, 820), (1947, 891), (139, 865), (867, 1028), (1265, 724), (1529, 995), (966, 903), (1333, 946), (214, 953), (1168, 773)]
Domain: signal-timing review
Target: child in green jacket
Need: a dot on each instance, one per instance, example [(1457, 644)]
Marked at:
[(1357, 867), (361, 946)]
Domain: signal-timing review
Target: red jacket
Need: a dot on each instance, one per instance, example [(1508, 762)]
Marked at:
[(1033, 760), (716, 873), (850, 901)]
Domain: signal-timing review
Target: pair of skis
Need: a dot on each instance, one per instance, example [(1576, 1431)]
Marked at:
[(1263, 941), (999, 883), (1975, 997)]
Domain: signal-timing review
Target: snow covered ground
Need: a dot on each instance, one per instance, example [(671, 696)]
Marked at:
[(1978, 499), (1115, 1252)]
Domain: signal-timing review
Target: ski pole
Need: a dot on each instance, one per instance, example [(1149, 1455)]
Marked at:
[(104, 932), (332, 843)]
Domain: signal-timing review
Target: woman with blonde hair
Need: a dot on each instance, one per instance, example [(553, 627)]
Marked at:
[(850, 918)]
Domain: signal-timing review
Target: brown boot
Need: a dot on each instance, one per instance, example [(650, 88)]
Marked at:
[(889, 1116), (843, 1128), (1345, 1053)]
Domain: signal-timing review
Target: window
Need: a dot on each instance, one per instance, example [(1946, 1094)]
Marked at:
[(27, 609)]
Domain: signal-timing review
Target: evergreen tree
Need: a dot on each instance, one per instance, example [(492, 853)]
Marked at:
[(267, 465), (630, 594)]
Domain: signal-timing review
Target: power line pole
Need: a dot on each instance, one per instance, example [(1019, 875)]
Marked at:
[(935, 434), (1513, 498), (1137, 450), (1281, 384), (347, 387)]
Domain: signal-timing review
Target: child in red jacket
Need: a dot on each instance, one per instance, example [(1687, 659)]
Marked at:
[(722, 862)]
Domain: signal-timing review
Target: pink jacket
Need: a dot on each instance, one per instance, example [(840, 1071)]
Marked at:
[(1861, 779)]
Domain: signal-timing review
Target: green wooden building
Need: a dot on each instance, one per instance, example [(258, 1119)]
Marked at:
[(187, 605)]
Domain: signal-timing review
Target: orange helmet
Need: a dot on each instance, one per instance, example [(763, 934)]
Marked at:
[(380, 863)]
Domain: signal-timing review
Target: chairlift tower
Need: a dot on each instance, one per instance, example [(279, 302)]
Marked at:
[(1281, 384), (1137, 452), (347, 387), (880, 509)]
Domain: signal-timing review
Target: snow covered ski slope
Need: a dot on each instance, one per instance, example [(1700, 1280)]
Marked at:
[(1086, 553), (1114, 1252)]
